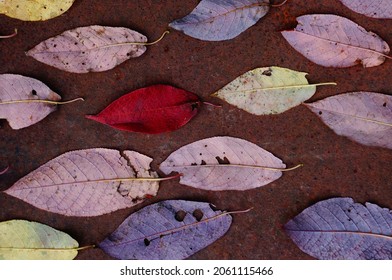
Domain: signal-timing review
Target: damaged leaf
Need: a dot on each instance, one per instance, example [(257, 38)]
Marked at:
[(91, 49), (25, 101), (371, 8), (34, 10), (334, 41), (365, 117), (268, 90), (224, 163), (24, 240), (167, 230), (89, 182), (154, 109), (339, 228)]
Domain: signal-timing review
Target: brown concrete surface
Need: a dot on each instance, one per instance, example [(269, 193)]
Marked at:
[(333, 165)]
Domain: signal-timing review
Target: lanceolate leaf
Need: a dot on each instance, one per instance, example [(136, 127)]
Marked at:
[(172, 229), (224, 163), (24, 240), (89, 182), (218, 20), (365, 117), (90, 49), (371, 8), (335, 41), (154, 109), (268, 90), (338, 228), (34, 10)]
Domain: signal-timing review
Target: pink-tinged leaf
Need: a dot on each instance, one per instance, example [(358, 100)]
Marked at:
[(335, 41), (365, 117), (224, 163), (90, 49), (371, 8), (218, 20), (167, 230), (88, 182), (154, 109), (339, 228), (4, 170)]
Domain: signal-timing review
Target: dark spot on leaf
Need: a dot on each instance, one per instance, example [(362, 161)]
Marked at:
[(203, 162), (195, 106), (213, 207), (385, 104), (180, 215), (320, 113), (146, 242), (222, 161), (205, 146), (267, 72), (198, 214), (348, 210), (193, 164), (34, 92)]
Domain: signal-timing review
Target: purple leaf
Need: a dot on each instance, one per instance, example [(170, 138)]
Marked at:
[(338, 228), (371, 8), (172, 229), (335, 41), (365, 117), (218, 20)]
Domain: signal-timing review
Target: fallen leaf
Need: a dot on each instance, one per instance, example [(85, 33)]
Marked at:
[(268, 90), (91, 49), (154, 109), (335, 41), (9, 36), (338, 228), (218, 20), (24, 240), (89, 182), (371, 8), (365, 117), (34, 10), (25, 101), (224, 163), (167, 230)]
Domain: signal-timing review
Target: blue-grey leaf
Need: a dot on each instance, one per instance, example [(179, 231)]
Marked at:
[(339, 228), (171, 229), (218, 20)]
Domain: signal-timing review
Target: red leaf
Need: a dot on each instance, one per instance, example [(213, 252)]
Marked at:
[(154, 109)]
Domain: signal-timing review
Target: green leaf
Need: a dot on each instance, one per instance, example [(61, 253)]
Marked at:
[(24, 240), (268, 90)]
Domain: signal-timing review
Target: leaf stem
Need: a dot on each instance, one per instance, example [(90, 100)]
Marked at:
[(158, 40), (211, 104), (85, 247), (48, 249), (9, 36), (42, 101), (5, 170), (279, 5)]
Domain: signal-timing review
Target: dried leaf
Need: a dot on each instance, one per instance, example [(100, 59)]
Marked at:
[(89, 182), (154, 109), (338, 228), (91, 49), (24, 240), (224, 163), (335, 41), (171, 229), (218, 20), (371, 8), (268, 90), (34, 10), (365, 117)]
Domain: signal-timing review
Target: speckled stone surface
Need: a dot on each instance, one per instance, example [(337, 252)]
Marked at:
[(333, 165)]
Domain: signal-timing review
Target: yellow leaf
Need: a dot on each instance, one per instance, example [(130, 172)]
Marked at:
[(34, 10)]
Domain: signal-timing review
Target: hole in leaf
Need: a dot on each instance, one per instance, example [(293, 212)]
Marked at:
[(222, 161), (180, 215), (34, 92), (146, 242), (320, 113), (198, 214)]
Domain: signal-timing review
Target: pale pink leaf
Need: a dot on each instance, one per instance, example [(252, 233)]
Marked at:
[(223, 163), (365, 117), (88, 182), (371, 8), (335, 41)]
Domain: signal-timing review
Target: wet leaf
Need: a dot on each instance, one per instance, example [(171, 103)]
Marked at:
[(34, 10), (335, 41), (371, 8), (24, 240), (224, 163), (365, 117), (167, 230), (268, 90), (89, 182), (154, 109), (218, 20), (338, 228), (91, 48)]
